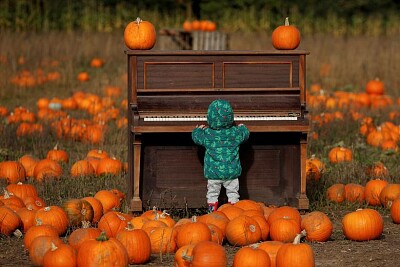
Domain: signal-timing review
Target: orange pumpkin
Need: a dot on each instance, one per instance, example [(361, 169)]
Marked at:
[(40, 246), (59, 255), (251, 256), (112, 222), (137, 244), (295, 254), (243, 230), (317, 225), (395, 211), (362, 225), (388, 194), (54, 216), (272, 248), (95, 252), (12, 171), (372, 191), (340, 154), (192, 233), (78, 210), (284, 230), (140, 35), (286, 36), (57, 154), (80, 235), (208, 253), (354, 192), (375, 87), (9, 221), (336, 193)]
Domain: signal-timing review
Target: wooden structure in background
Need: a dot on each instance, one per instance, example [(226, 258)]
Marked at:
[(198, 40), (169, 93)]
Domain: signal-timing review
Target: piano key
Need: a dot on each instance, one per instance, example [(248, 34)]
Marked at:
[(237, 118)]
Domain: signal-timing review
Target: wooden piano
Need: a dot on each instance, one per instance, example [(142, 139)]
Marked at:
[(169, 93)]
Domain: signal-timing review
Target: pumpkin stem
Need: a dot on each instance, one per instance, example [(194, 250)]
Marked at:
[(17, 233), (102, 237), (299, 236), (287, 21), (85, 224), (138, 21), (53, 246), (129, 226), (56, 146)]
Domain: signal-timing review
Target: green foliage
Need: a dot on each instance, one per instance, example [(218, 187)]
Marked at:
[(372, 17)]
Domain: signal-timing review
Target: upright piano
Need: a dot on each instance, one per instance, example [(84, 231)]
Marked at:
[(169, 93)]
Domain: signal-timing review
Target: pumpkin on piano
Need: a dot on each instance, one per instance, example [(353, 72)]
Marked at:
[(140, 35)]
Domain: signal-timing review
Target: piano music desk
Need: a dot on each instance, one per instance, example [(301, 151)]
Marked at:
[(169, 93)]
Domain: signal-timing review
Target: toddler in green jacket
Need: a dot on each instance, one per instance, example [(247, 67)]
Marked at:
[(221, 140)]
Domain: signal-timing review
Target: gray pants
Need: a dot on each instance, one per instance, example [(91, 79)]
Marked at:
[(231, 187)]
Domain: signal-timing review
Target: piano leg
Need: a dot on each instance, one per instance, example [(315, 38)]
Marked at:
[(303, 202), (136, 202)]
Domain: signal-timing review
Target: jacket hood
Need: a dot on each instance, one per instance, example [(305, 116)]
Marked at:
[(220, 114)]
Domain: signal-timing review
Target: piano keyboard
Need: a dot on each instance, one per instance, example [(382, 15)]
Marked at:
[(237, 118)]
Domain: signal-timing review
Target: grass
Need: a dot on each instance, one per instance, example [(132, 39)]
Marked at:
[(352, 61)]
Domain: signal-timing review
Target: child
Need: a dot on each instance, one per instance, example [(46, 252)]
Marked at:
[(221, 162)]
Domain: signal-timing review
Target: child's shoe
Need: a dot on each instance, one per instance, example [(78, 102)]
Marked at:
[(212, 207)]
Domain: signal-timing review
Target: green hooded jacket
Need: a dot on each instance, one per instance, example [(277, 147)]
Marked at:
[(221, 140)]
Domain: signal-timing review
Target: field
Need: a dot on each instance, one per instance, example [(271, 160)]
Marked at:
[(337, 64)]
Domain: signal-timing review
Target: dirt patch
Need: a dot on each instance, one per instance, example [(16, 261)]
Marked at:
[(336, 252)]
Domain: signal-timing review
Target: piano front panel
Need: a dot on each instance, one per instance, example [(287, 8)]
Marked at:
[(173, 170), (208, 72)]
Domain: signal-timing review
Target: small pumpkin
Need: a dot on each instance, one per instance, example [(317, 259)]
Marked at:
[(372, 191), (112, 222), (58, 154), (336, 193), (193, 233), (9, 221), (389, 193), (40, 246), (208, 253), (61, 255), (395, 211), (39, 229), (140, 35), (243, 230), (12, 171), (340, 154), (80, 235), (54, 216), (375, 87), (286, 37)]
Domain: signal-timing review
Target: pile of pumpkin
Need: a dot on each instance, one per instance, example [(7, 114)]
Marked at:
[(96, 232), (199, 25), (54, 112), (97, 162)]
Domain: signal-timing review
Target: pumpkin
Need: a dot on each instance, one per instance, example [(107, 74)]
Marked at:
[(182, 254), (362, 225), (375, 87), (22, 190), (97, 208), (80, 235), (336, 193), (27, 215), (83, 76), (340, 154), (102, 251), (187, 26), (264, 226), (354, 192), (47, 168), (35, 203), (140, 35), (96, 62), (162, 240), (248, 204), (208, 253), (112, 222), (216, 234), (192, 233), (137, 244), (217, 218), (82, 168), (29, 163), (108, 199), (78, 210), (138, 222), (243, 230), (388, 194), (12, 171), (11, 201), (54, 216), (372, 191), (251, 256), (295, 254), (110, 166), (395, 211), (317, 225), (286, 37), (62, 255), (284, 230), (271, 247), (40, 246), (9, 221), (284, 212), (39, 229), (58, 154), (378, 170), (97, 153), (230, 211)]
